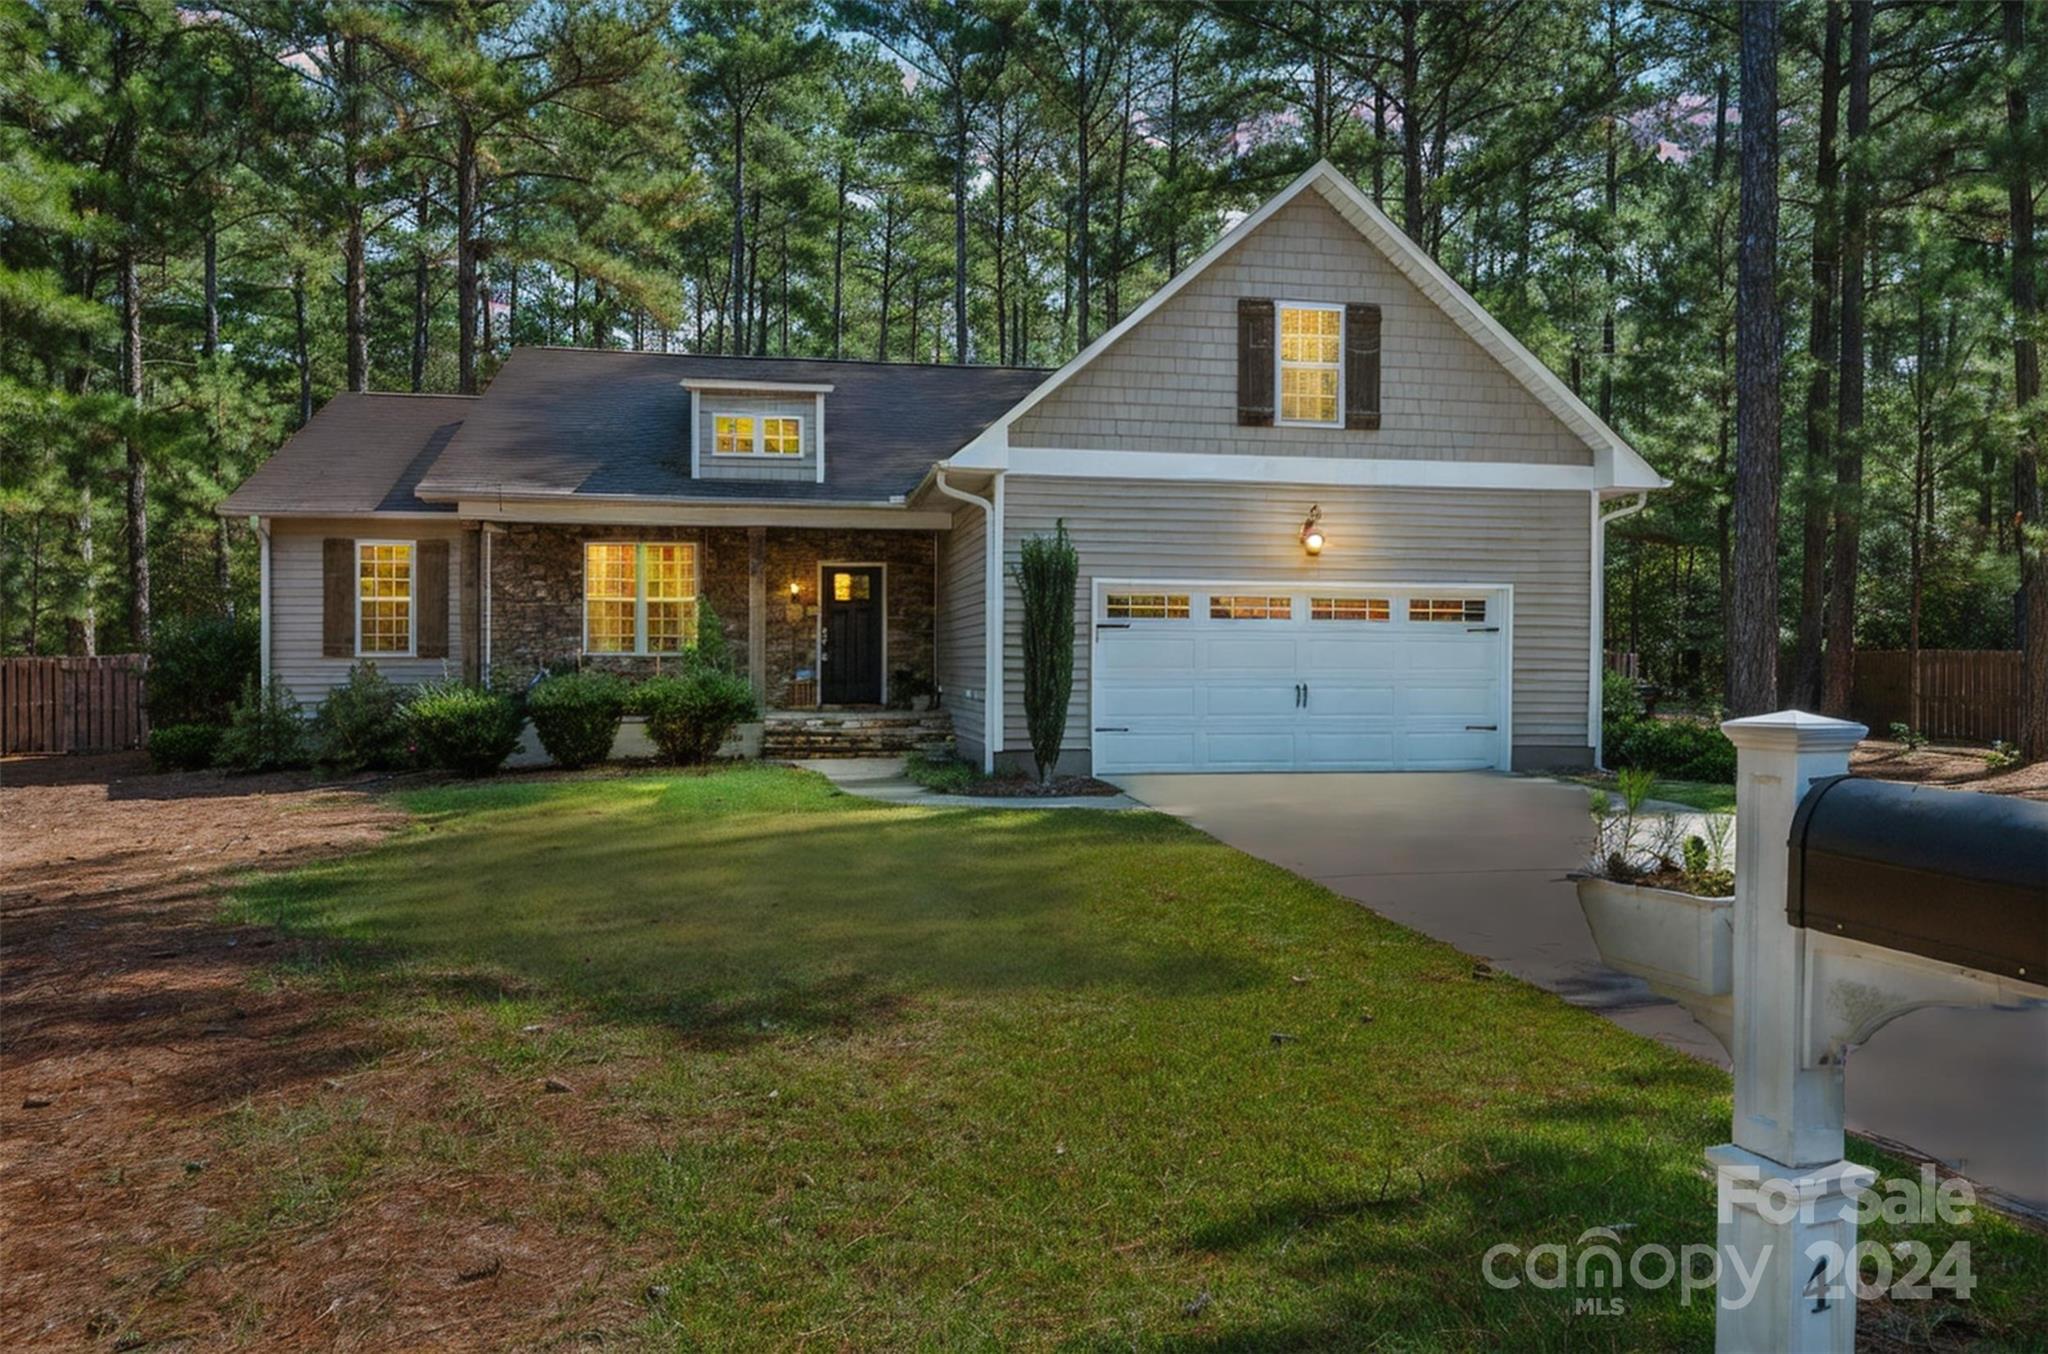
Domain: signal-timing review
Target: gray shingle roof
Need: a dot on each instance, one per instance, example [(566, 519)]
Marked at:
[(572, 421), (360, 453)]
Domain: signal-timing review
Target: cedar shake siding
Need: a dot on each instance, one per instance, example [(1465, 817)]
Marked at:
[(1536, 541), (1172, 383)]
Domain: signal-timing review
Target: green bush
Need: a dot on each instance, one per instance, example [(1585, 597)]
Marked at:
[(184, 747), (467, 729), (1683, 749), (690, 717), (265, 731), (361, 724), (1046, 571), (198, 668), (577, 716), (1621, 703)]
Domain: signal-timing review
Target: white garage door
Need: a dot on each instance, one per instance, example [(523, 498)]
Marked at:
[(1250, 677)]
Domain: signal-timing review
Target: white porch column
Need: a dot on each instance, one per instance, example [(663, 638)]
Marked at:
[(1786, 1195)]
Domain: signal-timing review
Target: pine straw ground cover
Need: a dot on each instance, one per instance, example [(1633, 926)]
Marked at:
[(732, 1060)]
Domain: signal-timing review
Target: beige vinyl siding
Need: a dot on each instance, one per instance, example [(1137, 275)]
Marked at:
[(962, 626), (1170, 385), (762, 466), (296, 600), (1537, 541)]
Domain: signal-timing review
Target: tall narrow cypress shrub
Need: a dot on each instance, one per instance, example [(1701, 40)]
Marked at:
[(1047, 570)]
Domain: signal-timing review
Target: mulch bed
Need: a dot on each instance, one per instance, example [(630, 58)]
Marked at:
[(1959, 768), (137, 1025), (1023, 787)]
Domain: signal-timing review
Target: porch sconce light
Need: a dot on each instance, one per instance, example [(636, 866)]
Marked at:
[(796, 590), (1312, 531)]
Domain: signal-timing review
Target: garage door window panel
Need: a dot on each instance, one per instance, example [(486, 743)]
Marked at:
[(1459, 610), (1246, 608), (1350, 609), (1146, 606)]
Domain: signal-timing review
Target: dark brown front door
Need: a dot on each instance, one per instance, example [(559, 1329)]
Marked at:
[(850, 661)]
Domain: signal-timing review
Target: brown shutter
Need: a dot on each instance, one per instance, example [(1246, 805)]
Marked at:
[(430, 599), (1361, 366), (1254, 361), (338, 598)]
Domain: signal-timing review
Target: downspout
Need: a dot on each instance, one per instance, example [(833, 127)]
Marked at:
[(1596, 672), (490, 529), (262, 597), (991, 611)]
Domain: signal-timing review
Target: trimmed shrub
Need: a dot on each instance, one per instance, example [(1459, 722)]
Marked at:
[(577, 716), (1683, 749), (184, 747), (198, 668), (1046, 572), (711, 650), (467, 729), (361, 724), (690, 717), (265, 732)]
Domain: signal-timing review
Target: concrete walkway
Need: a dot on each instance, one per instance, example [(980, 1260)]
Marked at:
[(882, 778), (1479, 859)]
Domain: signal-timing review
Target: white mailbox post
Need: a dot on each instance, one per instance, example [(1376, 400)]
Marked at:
[(1801, 1000)]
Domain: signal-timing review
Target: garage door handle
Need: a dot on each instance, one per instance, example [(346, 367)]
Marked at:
[(1482, 728), (1099, 728), (1482, 629), (1112, 625)]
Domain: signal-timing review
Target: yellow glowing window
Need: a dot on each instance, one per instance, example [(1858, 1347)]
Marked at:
[(1146, 606), (1471, 610), (852, 587), (384, 597), (639, 597), (1251, 608), (782, 436), (732, 435), (1348, 609), (1311, 351)]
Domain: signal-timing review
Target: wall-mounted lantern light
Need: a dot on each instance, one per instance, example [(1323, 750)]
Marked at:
[(1312, 531), (796, 590)]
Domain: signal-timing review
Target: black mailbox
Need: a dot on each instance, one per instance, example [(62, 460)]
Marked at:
[(1950, 875)]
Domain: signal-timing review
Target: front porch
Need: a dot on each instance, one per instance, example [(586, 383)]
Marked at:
[(799, 735), (836, 623)]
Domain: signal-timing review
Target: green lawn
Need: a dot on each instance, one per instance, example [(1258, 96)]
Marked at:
[(1705, 795), (874, 1076)]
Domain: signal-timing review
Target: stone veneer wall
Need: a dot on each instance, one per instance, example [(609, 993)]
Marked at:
[(536, 602)]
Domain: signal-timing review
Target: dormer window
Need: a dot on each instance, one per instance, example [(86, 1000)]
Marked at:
[(1311, 361), (754, 435)]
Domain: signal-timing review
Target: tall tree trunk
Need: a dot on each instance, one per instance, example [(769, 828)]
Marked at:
[(960, 352), (419, 291), (467, 184), (888, 273), (839, 262), (138, 470), (736, 257), (1379, 142), (355, 272), (1804, 690), (302, 348), (1724, 387), (1839, 666), (1411, 121), (1753, 642), (2032, 533), (209, 332), (1611, 227), (1923, 472), (89, 619)]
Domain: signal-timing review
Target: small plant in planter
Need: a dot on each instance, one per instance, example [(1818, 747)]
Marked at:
[(910, 689), (1634, 848)]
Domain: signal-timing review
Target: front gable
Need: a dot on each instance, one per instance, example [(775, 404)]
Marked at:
[(1171, 382)]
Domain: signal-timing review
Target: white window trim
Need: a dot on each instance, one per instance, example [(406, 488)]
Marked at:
[(1280, 367), (639, 649), (758, 419), (412, 600)]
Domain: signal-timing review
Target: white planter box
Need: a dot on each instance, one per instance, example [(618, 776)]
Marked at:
[(1682, 945)]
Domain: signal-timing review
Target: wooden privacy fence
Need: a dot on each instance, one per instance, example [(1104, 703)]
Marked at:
[(1969, 694), (72, 704)]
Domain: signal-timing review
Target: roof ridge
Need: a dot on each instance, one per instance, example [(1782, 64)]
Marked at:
[(408, 394), (772, 357)]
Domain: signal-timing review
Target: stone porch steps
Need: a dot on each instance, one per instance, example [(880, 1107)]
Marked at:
[(800, 735)]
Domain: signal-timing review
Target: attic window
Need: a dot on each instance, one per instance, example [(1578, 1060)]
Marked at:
[(1311, 363), (748, 435)]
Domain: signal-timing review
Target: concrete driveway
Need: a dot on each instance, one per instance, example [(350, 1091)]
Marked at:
[(1478, 859)]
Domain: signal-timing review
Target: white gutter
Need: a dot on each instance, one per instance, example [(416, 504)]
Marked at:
[(1597, 669), (991, 611), (262, 597)]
